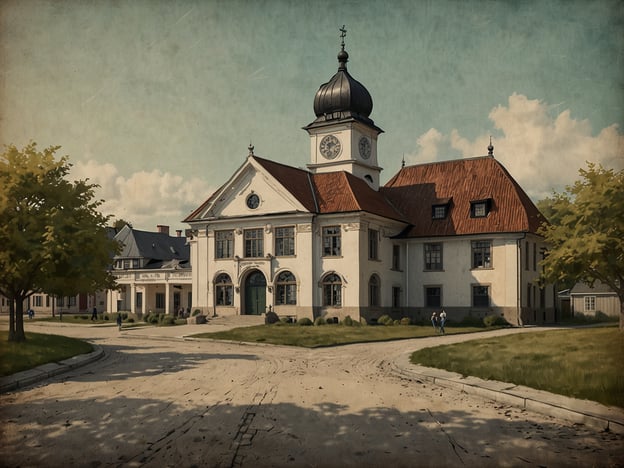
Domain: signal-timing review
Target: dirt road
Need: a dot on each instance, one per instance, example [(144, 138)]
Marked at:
[(166, 402)]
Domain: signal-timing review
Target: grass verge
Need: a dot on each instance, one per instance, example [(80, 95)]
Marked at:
[(327, 335), (585, 363), (36, 350)]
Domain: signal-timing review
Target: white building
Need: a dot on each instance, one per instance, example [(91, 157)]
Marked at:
[(152, 272), (331, 241)]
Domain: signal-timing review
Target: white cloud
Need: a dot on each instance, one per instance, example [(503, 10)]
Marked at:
[(145, 199), (543, 152)]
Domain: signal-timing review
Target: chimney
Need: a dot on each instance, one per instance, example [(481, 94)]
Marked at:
[(179, 232), (162, 229)]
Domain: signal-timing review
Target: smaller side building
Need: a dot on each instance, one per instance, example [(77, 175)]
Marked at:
[(589, 301), (153, 273)]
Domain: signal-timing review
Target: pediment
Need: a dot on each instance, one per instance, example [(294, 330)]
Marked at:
[(251, 191)]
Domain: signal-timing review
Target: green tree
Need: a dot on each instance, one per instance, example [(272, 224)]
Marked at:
[(53, 239), (586, 232)]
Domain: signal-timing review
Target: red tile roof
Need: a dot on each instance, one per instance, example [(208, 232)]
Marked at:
[(415, 189), (410, 195)]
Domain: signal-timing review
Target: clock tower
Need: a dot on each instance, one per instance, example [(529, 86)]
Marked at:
[(343, 137)]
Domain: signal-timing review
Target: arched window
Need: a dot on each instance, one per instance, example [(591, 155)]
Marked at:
[(332, 290), (285, 289), (224, 290), (373, 291)]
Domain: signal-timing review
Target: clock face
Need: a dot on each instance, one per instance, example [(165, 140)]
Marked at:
[(330, 146), (365, 148), (253, 201)]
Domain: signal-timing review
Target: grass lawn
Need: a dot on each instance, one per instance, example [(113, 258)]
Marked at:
[(36, 350), (585, 363), (327, 335)]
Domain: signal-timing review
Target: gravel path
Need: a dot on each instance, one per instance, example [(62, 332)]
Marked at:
[(169, 402)]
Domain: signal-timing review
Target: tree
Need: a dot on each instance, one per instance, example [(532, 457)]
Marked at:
[(119, 224), (53, 239), (586, 232)]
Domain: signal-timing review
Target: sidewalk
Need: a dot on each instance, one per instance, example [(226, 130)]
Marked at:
[(592, 414)]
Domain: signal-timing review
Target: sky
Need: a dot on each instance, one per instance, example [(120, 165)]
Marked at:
[(157, 101)]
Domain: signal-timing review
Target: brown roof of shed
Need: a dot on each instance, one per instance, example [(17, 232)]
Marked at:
[(414, 190)]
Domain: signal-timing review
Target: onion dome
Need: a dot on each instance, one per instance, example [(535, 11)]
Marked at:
[(343, 94)]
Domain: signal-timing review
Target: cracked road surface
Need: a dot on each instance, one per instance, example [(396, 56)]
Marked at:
[(174, 403)]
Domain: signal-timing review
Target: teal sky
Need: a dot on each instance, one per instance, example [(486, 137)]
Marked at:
[(157, 101)]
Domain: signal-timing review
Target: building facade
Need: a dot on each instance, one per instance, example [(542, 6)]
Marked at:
[(152, 272), (330, 240)]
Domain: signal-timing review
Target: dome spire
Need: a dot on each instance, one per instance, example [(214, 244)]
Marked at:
[(343, 57), (490, 148)]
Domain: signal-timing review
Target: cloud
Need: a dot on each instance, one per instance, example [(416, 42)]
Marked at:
[(542, 151), (144, 198)]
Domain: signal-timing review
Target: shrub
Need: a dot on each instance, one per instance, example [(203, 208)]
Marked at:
[(106, 317), (271, 318), (168, 320), (196, 312), (362, 321), (385, 320), (319, 321), (348, 321), (130, 320), (124, 316), (406, 321), (304, 322), (494, 320), (180, 321)]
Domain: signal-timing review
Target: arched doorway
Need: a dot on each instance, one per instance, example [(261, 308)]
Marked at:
[(255, 293)]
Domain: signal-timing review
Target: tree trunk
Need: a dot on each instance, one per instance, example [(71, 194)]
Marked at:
[(18, 333), (621, 296), (11, 319)]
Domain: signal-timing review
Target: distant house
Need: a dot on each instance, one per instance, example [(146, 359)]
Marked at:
[(153, 272), (587, 300)]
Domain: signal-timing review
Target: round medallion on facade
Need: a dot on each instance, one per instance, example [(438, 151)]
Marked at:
[(330, 147), (253, 201), (364, 147)]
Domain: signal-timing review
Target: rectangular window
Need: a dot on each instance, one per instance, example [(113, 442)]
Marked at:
[(373, 244), (433, 296), (433, 256), (542, 298), (224, 294), (254, 243), (224, 244), (60, 301), (331, 241), (160, 300), (529, 303), (284, 241), (396, 257), (481, 254), (127, 264), (135, 263), (38, 301), (139, 300), (590, 303), (480, 296), (47, 301), (534, 256), (396, 296), (526, 255), (71, 301), (438, 211), (480, 208)]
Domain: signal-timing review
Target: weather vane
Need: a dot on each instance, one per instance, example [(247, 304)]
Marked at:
[(343, 33)]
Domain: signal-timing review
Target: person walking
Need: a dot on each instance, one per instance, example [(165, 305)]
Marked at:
[(94, 313), (442, 321), (434, 321), (119, 321)]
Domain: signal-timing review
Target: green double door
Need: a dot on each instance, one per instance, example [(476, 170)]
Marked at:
[(255, 294)]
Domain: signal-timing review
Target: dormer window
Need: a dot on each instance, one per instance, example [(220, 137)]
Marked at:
[(480, 208), (439, 211)]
